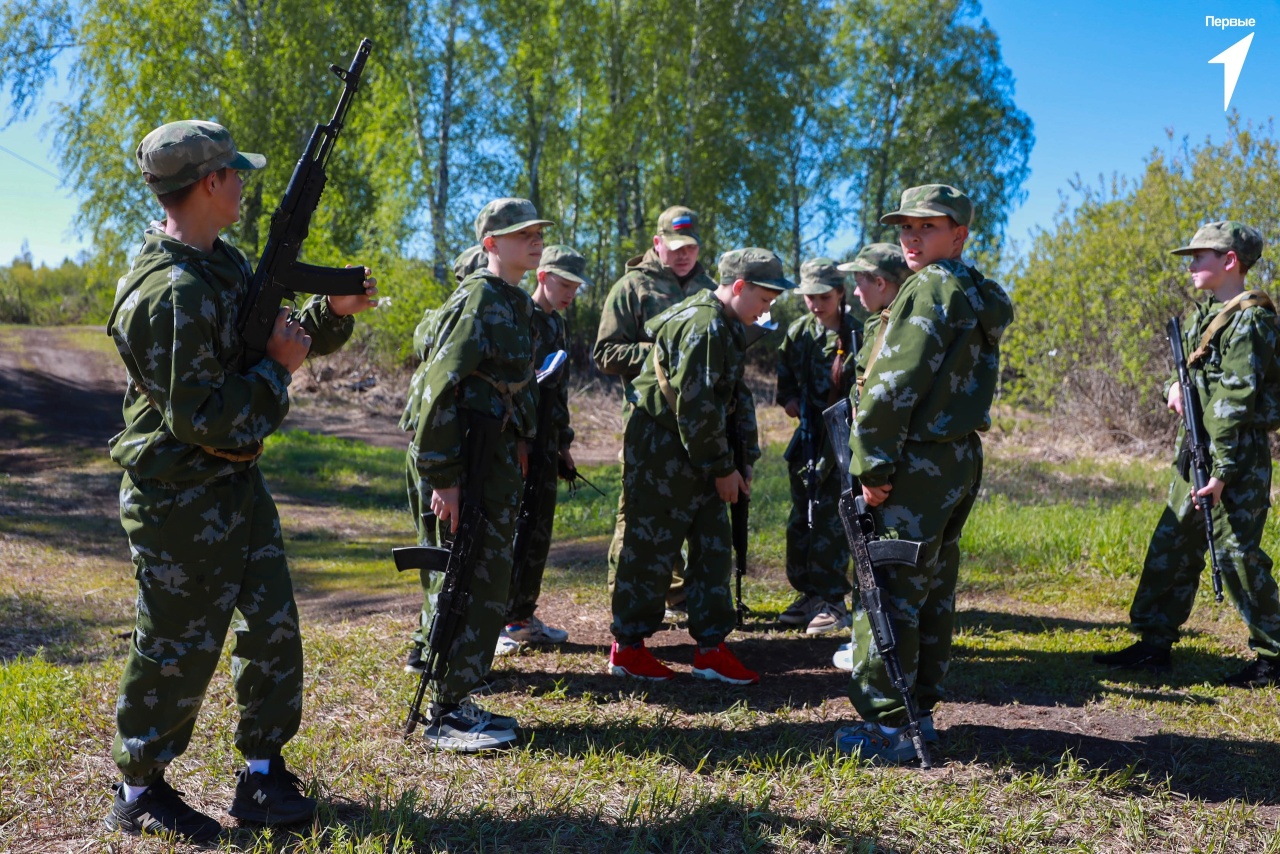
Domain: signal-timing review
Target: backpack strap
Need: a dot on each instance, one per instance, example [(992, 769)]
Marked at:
[(1239, 302)]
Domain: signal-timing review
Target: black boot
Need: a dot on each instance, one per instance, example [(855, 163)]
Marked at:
[(1139, 656)]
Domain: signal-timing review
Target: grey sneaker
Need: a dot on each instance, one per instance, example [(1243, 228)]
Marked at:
[(160, 810), (830, 617), (467, 728), (534, 630), (801, 611)]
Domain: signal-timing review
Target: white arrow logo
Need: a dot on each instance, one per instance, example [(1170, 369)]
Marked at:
[(1232, 60)]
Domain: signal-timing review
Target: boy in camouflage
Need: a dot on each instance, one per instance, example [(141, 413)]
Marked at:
[(815, 369), (481, 362), (203, 530), (690, 386), (560, 275), (930, 381), (662, 277), (1233, 346)]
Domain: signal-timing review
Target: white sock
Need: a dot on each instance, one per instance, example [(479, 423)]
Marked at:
[(259, 766), (131, 793)]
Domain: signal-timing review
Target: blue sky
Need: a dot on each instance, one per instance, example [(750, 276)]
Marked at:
[(1101, 80)]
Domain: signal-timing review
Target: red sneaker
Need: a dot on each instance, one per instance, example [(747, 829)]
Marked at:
[(723, 665), (638, 663)]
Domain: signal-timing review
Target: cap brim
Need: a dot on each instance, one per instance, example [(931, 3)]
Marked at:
[(565, 274), (681, 241), (774, 284), (519, 226), (911, 213), (245, 161), (1192, 249), (813, 289), (856, 266)]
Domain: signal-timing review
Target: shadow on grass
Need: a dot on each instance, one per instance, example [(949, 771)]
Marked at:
[(1212, 769), (708, 825), (29, 625), (72, 512), (1040, 483), (39, 410)]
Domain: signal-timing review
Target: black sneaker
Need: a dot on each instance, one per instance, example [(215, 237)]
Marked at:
[(1260, 673), (1138, 656), (415, 663), (161, 810), (273, 798)]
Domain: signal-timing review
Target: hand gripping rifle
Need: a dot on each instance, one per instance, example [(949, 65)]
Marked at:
[(872, 555), (1195, 447), (280, 275), (531, 509), (458, 562), (572, 475)]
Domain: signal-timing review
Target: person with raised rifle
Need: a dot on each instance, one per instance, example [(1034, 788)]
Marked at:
[(1233, 344), (666, 274), (477, 384), (561, 274), (203, 529), (916, 452), (679, 470), (815, 369)]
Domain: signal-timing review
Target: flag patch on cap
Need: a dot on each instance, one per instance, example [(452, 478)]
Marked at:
[(682, 222)]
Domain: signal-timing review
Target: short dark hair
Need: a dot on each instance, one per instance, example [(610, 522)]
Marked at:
[(178, 196)]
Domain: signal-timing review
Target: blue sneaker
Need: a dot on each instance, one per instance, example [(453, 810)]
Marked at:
[(870, 742), (927, 732)]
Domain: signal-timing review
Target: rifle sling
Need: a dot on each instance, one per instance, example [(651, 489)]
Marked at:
[(875, 350), (1239, 302)]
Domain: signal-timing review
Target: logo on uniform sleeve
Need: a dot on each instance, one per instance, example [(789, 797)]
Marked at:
[(682, 222)]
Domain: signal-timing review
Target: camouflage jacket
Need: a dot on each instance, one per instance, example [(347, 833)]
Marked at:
[(702, 354), (550, 332), (1238, 380), (644, 291), (482, 331), (935, 375), (805, 358), (191, 413)]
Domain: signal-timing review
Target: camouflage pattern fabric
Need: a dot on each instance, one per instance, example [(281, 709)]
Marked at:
[(646, 289), (203, 530), (550, 328), (178, 154), (672, 499), (1239, 388), (817, 558), (483, 330), (926, 396)]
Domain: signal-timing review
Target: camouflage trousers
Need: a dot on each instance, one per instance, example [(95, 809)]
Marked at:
[(1176, 556), (524, 601), (668, 504), (675, 591), (472, 654), (934, 489), (207, 557), (817, 557)]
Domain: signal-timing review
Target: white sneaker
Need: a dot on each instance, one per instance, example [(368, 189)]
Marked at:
[(801, 611), (534, 630), (830, 617), (843, 659), (506, 645), (467, 728)]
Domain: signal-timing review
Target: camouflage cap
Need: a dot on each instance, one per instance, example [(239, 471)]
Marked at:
[(678, 226), (178, 154), (758, 266), (1227, 236), (565, 263), (880, 259), (507, 216), (932, 200), (818, 276), (472, 259)]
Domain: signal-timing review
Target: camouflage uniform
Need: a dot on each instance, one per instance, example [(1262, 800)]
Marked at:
[(481, 361), (927, 394), (817, 557), (622, 345), (203, 530), (550, 331), (1238, 382), (697, 363)]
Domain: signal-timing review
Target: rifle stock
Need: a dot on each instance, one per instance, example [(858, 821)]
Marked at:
[(279, 275), (1196, 445)]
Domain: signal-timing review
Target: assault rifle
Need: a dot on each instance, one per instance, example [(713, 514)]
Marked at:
[(280, 275), (871, 556), (739, 515), (457, 562), (809, 447), (1195, 450), (572, 475), (531, 508)]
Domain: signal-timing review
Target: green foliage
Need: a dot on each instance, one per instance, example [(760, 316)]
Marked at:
[(1094, 293), (48, 296)]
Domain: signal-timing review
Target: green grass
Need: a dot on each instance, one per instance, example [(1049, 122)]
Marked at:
[(1043, 751)]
